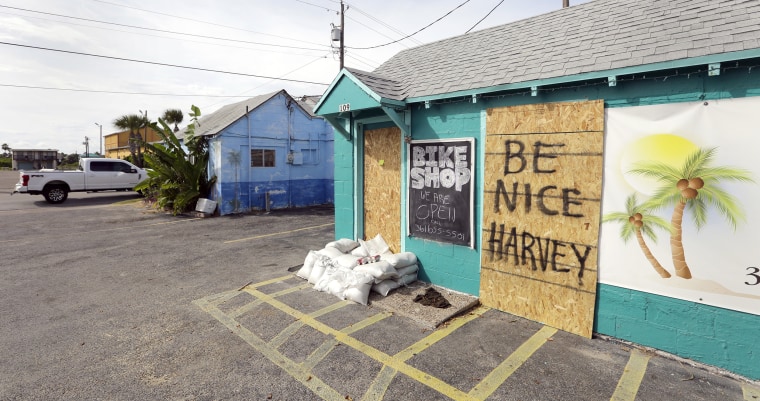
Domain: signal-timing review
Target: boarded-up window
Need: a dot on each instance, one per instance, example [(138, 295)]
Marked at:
[(262, 157)]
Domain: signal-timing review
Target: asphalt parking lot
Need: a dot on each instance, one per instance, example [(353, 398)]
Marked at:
[(103, 298)]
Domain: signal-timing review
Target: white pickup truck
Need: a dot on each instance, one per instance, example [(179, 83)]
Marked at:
[(93, 175)]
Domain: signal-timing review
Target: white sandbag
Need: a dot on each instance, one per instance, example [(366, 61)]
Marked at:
[(379, 270), (359, 252), (375, 246), (408, 270), (399, 260), (320, 264), (324, 280), (359, 285), (385, 286), (330, 252), (348, 261), (359, 294), (344, 245), (308, 264), (407, 279)]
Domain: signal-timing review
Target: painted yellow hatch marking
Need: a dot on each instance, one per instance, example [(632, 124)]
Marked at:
[(392, 364), (629, 382)]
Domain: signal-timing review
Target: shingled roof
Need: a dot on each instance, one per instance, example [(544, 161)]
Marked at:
[(601, 35), (217, 121)]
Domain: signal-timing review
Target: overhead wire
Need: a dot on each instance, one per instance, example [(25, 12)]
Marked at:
[(203, 22), (286, 52), (418, 31), (161, 30), (114, 92), (162, 64), (481, 20)]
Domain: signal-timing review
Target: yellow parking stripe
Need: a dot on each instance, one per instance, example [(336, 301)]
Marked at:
[(380, 385), (497, 376), (299, 374), (629, 382), (751, 393), (414, 373), (279, 233), (249, 306), (283, 336)]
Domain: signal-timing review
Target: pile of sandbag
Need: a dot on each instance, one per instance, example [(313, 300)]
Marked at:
[(351, 269)]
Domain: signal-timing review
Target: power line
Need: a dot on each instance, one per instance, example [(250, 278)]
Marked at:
[(318, 6), (481, 20), (286, 52), (418, 31), (382, 23), (113, 92), (162, 64), (160, 30), (204, 22)]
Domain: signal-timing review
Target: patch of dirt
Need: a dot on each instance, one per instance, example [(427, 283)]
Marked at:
[(401, 302)]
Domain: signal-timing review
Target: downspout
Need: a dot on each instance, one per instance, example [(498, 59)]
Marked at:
[(248, 131), (290, 152)]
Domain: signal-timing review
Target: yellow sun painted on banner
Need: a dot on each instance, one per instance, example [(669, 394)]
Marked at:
[(660, 148)]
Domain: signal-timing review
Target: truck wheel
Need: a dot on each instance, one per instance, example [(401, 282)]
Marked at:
[(55, 194)]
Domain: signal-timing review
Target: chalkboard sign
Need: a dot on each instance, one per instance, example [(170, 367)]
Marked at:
[(440, 191)]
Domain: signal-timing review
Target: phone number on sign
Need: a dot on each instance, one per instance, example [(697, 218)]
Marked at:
[(431, 229)]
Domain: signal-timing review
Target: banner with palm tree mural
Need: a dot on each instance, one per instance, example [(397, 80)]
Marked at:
[(681, 201)]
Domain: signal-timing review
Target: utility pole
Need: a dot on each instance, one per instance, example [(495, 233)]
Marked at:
[(342, 32), (100, 151), (86, 144), (565, 3)]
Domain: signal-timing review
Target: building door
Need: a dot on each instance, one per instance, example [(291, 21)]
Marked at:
[(541, 212), (382, 185)]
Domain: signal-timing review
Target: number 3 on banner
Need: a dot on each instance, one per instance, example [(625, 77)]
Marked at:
[(754, 274)]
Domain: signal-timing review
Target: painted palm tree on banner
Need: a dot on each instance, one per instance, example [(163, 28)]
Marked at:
[(637, 221), (693, 187)]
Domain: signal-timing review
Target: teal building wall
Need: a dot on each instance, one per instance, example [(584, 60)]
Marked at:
[(707, 334)]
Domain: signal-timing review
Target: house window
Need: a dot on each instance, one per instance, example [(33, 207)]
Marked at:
[(262, 157)]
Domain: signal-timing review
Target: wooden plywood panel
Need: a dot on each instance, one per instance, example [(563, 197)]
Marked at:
[(542, 203), (382, 185)]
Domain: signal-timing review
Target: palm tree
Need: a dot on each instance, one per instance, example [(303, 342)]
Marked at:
[(133, 123), (6, 150), (694, 186), (174, 116), (636, 220)]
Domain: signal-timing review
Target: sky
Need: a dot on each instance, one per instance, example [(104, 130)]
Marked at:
[(69, 68)]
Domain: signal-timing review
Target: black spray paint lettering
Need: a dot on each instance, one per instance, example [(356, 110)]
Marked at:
[(541, 253), (439, 166), (549, 191), (515, 153)]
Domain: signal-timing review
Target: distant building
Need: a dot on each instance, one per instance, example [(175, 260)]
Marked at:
[(269, 151), (35, 159), (116, 145)]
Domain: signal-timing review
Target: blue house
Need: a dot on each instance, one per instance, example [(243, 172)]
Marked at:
[(269, 152), (531, 164)]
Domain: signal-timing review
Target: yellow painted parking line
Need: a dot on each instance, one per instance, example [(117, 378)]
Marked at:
[(324, 349), (441, 333), (314, 384), (629, 382), (751, 393), (380, 385), (283, 336), (414, 373), (499, 375), (249, 306), (278, 233)]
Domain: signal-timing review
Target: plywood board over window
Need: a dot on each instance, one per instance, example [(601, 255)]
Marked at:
[(382, 185), (542, 203)]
